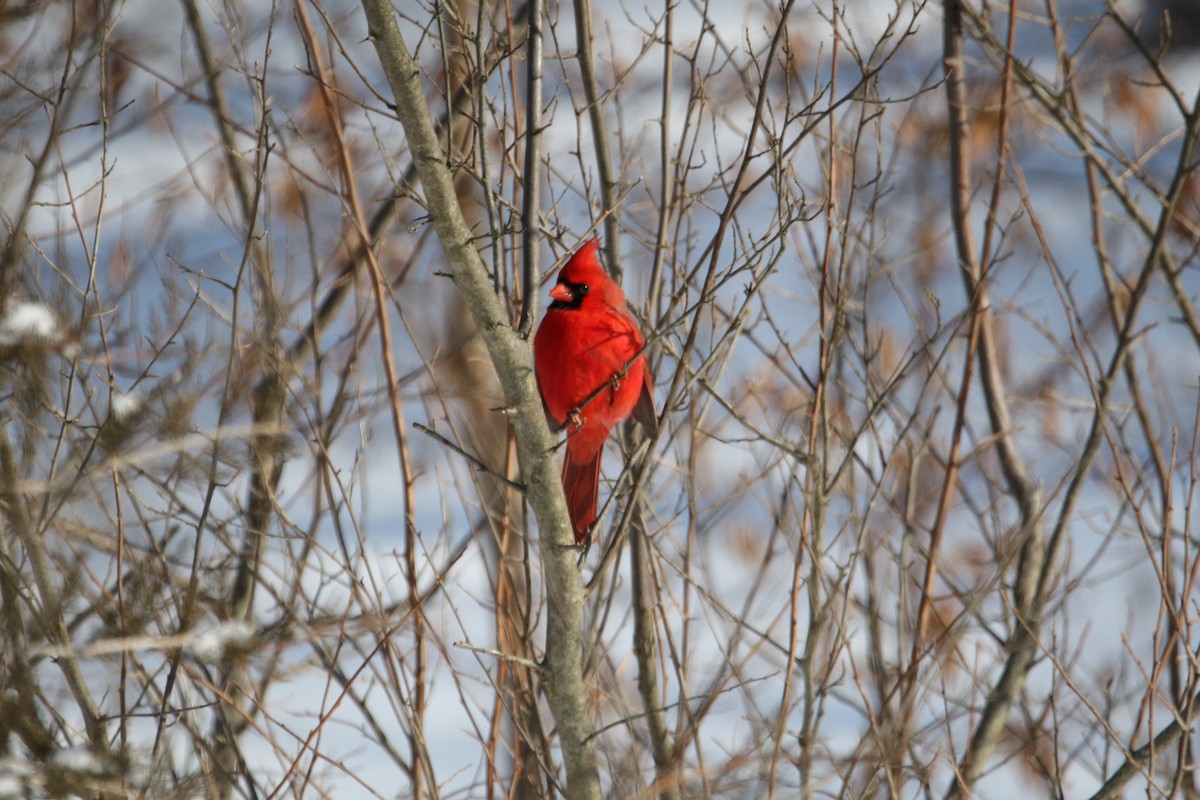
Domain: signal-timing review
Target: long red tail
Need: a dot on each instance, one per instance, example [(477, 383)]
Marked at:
[(581, 483)]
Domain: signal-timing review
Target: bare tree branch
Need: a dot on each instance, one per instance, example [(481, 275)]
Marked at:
[(511, 356)]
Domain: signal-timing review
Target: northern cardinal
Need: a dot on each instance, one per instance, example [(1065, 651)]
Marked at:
[(591, 373)]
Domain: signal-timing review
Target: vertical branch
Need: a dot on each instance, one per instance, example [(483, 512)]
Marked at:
[(645, 651), (1022, 489), (478, 91), (925, 600), (515, 628), (977, 298), (812, 519), (531, 203), (666, 183), (49, 599), (608, 183), (379, 294), (268, 400), (1023, 643)]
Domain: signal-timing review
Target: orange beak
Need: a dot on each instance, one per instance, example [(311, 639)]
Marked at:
[(561, 293)]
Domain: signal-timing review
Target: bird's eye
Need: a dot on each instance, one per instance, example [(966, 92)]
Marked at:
[(583, 288)]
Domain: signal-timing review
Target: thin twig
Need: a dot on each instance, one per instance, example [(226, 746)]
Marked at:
[(482, 467), (491, 651)]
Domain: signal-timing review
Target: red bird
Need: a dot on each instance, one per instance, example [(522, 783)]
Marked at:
[(591, 373)]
